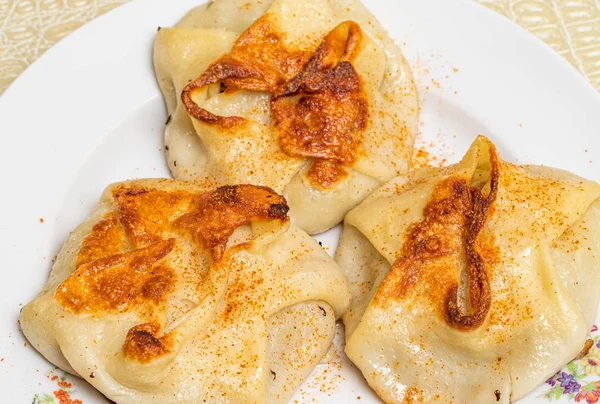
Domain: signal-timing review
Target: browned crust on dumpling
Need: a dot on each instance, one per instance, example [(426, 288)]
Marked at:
[(146, 214), (453, 220), (106, 239), (318, 106), (326, 174), (142, 344), (258, 61), (328, 110), (118, 282), (589, 343), (480, 294), (219, 213), (332, 109), (109, 279)]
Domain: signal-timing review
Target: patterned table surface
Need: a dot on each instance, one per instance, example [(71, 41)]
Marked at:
[(29, 27)]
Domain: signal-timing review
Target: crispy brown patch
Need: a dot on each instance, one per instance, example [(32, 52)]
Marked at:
[(479, 292), (144, 221), (326, 115), (146, 214), (108, 280), (453, 220), (326, 174), (258, 61), (585, 350), (143, 345), (322, 112), (431, 243), (105, 239), (318, 105), (118, 282), (220, 212)]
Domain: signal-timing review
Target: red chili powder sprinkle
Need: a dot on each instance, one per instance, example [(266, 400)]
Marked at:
[(422, 158)]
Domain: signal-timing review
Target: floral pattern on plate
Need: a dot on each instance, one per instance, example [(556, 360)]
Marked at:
[(580, 380), (60, 396)]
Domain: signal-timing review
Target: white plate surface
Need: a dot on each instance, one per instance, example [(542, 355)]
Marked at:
[(89, 113)]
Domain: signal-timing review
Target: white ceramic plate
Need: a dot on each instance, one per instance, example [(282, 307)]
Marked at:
[(89, 113)]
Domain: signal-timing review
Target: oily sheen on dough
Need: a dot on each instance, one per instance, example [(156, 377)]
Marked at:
[(472, 283), (170, 293), (311, 98)]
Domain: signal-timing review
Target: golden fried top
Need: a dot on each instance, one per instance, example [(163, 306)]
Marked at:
[(453, 219), (118, 282), (318, 104), (219, 213), (121, 264)]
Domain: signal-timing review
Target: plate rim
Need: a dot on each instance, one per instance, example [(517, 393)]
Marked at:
[(21, 83)]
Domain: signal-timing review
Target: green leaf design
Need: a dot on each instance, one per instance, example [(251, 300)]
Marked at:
[(572, 368), (47, 399), (553, 393), (557, 393)]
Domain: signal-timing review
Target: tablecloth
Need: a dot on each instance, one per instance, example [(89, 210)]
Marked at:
[(29, 27)]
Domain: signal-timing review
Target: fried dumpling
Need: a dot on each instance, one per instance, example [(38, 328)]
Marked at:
[(170, 293), (310, 98), (472, 283)]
